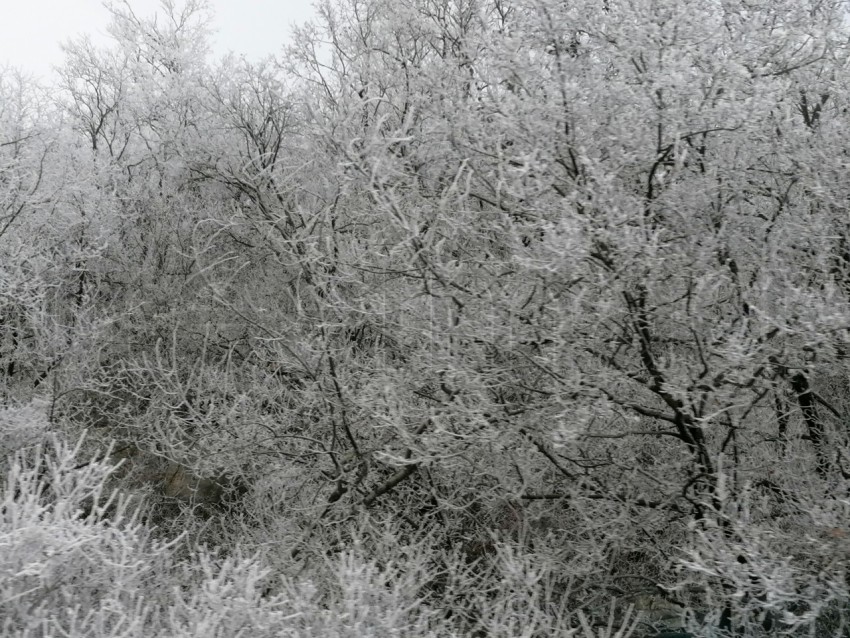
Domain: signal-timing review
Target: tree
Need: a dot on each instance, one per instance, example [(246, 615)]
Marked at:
[(564, 283), (606, 265)]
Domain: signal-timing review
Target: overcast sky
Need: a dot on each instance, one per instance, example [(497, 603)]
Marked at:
[(31, 30)]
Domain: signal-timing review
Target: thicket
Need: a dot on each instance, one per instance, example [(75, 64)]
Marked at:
[(457, 317)]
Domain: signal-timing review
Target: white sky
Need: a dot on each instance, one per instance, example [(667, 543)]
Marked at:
[(31, 30)]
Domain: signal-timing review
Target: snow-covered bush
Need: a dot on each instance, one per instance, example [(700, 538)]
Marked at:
[(77, 560), (73, 559)]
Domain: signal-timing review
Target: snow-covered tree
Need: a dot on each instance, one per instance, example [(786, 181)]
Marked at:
[(561, 286)]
